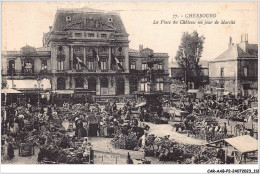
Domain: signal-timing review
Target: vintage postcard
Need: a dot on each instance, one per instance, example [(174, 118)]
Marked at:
[(169, 83)]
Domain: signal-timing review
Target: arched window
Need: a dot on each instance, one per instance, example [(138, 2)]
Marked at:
[(120, 86), (104, 82), (79, 83), (144, 84), (133, 84), (159, 84), (92, 84), (61, 83)]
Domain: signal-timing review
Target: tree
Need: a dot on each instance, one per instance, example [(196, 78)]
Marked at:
[(188, 58)]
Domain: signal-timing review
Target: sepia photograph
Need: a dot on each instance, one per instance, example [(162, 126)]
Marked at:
[(165, 83)]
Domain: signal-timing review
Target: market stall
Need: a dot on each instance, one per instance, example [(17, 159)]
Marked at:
[(238, 150)]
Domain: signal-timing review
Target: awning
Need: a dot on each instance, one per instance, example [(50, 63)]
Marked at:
[(244, 143), (64, 91), (193, 91), (29, 84), (226, 92), (10, 91), (141, 104)]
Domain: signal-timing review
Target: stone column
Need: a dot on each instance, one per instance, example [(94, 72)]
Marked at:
[(126, 63), (98, 86), (84, 52), (127, 88), (85, 83), (109, 58), (67, 82), (54, 59), (54, 83), (73, 82), (71, 57)]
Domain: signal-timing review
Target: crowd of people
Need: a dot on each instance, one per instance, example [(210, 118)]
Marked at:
[(43, 126)]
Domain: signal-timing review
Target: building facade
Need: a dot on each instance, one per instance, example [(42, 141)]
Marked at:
[(85, 52), (235, 70)]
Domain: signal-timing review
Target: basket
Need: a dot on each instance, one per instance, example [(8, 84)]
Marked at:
[(26, 150)]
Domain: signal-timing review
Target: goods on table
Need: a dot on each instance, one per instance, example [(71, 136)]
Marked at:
[(157, 120)]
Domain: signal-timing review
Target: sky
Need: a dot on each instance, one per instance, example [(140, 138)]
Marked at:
[(25, 22)]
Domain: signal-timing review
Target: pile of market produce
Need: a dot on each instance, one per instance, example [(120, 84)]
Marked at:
[(169, 150), (55, 155), (124, 141)]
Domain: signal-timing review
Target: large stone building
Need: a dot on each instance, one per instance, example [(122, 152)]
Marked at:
[(235, 70), (85, 52)]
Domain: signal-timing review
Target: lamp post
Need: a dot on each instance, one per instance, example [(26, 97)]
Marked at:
[(38, 81), (185, 57)]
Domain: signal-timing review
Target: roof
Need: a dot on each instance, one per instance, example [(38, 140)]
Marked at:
[(236, 51), (10, 91), (173, 65), (133, 50), (244, 143), (87, 18)]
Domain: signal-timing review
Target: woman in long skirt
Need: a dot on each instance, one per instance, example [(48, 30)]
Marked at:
[(10, 150), (16, 125)]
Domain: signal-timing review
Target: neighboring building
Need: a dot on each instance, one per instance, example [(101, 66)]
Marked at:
[(78, 38), (176, 74), (235, 70), (27, 70), (138, 69)]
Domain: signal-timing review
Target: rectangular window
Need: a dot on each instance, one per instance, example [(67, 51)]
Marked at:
[(103, 35), (44, 65), (222, 72), (160, 86), (133, 65), (144, 66), (245, 71), (28, 68), (91, 35), (103, 65), (160, 67), (91, 65), (78, 34), (60, 65)]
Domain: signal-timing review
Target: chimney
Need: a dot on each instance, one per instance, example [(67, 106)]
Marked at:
[(243, 44), (140, 47), (230, 42), (50, 27)]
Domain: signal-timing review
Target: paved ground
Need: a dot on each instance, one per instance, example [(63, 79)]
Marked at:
[(168, 129)]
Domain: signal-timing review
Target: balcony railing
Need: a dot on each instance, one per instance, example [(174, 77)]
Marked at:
[(138, 71)]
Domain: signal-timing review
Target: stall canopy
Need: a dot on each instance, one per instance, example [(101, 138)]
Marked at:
[(244, 143), (64, 91), (226, 93), (10, 91), (141, 104), (193, 91)]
